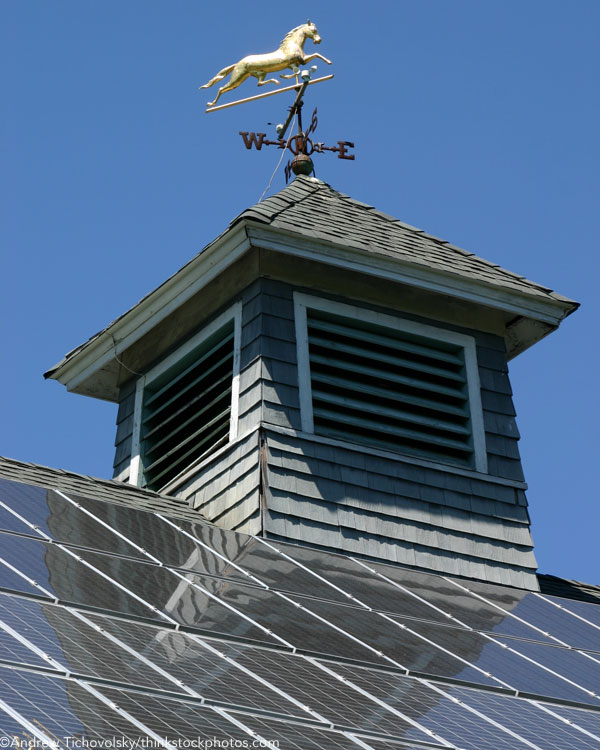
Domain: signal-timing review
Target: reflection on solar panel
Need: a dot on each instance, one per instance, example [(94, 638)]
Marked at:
[(526, 719), (122, 622)]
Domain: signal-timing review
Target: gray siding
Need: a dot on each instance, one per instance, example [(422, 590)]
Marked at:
[(355, 501), (226, 489)]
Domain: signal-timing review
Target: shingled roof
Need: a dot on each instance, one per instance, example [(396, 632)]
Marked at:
[(312, 208), (108, 490)]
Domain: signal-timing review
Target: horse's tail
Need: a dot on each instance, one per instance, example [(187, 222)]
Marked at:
[(219, 77)]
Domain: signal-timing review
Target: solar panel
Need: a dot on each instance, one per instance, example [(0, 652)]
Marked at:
[(13, 650), (200, 667), (61, 707), (588, 720), (319, 688), (174, 720), (590, 612), (406, 649), (540, 613), (568, 663), (431, 709), (526, 719), (73, 643), (297, 737), (63, 576), (356, 580)]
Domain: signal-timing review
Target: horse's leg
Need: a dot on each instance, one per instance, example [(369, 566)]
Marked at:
[(260, 76), (237, 77), (314, 55)]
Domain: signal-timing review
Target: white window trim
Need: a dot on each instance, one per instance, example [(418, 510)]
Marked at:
[(233, 313), (303, 301)]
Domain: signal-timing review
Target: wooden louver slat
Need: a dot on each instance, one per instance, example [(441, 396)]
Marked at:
[(186, 412), (389, 388)]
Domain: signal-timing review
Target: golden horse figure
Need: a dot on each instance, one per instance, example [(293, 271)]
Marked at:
[(289, 55)]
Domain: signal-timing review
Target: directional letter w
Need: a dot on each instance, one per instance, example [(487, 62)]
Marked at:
[(253, 138)]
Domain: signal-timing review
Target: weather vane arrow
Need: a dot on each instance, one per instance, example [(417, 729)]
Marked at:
[(289, 55)]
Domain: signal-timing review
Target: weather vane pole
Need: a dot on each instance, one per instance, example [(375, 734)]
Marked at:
[(289, 55)]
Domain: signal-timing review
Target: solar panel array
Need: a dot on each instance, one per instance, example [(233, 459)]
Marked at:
[(120, 622)]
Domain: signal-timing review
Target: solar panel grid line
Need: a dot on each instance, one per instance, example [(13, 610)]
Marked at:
[(481, 715), (504, 611), (32, 647), (133, 652), (447, 651), (379, 702), (380, 654), (44, 739), (312, 572), (126, 715), (243, 727), (569, 723), (27, 523), (538, 664), (567, 610), (29, 580), (212, 551), (259, 679), (232, 608), (447, 615), (107, 526), (120, 586)]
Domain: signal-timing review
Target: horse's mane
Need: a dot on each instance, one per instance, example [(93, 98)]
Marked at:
[(293, 31)]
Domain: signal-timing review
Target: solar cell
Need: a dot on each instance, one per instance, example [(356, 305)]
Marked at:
[(540, 613), (11, 730), (510, 668), (61, 520), (199, 667), (20, 497), (13, 650), (590, 612), (297, 737), (431, 709), (568, 663), (407, 649), (174, 719), (526, 719), (76, 645), (336, 700), (354, 579), (62, 575), (62, 707), (588, 720), (440, 594)]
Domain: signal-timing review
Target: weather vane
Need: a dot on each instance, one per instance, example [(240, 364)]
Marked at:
[(289, 55)]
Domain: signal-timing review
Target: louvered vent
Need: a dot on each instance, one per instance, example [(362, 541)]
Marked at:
[(186, 411), (388, 388)]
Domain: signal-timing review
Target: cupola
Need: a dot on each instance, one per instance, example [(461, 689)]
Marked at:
[(325, 374)]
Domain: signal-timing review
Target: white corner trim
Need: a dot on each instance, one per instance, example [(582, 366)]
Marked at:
[(233, 313), (303, 301), (304, 386), (235, 384)]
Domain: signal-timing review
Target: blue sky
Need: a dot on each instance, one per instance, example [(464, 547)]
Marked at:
[(477, 121)]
